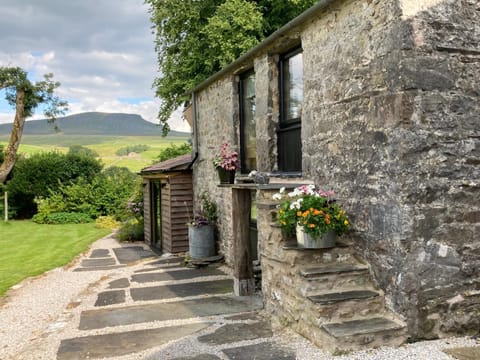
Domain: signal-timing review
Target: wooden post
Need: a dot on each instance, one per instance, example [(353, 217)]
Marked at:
[(243, 282), (5, 208)]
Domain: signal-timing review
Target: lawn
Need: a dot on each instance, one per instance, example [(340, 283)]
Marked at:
[(29, 249)]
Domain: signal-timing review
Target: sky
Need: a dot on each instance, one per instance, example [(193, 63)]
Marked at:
[(101, 51)]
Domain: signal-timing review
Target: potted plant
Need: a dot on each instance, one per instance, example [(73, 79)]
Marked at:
[(312, 215), (201, 230), (226, 162)]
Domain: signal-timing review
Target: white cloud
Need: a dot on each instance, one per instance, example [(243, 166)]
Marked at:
[(102, 53)]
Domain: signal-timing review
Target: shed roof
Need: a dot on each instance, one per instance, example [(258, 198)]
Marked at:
[(180, 163)]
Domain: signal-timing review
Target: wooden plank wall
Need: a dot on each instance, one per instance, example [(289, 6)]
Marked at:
[(178, 202), (146, 204)]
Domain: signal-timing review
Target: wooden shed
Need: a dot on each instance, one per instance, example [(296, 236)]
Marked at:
[(168, 200)]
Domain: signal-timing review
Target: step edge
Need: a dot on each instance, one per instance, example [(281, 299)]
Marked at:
[(398, 326), (373, 294)]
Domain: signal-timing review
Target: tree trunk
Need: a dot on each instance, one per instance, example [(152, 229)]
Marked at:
[(15, 137)]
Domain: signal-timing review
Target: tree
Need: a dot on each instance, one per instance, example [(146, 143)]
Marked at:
[(25, 97), (195, 39)]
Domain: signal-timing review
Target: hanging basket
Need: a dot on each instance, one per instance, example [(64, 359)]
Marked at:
[(226, 176), (324, 241)]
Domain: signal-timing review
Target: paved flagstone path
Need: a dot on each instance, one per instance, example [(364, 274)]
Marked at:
[(176, 312)]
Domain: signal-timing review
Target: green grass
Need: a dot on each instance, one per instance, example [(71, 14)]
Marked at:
[(105, 146), (29, 249)]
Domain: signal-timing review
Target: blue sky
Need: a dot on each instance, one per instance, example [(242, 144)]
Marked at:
[(102, 52)]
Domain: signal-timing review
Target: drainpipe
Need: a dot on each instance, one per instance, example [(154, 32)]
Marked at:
[(195, 130)]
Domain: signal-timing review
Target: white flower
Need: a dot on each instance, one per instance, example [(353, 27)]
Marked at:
[(292, 194), (282, 190), (252, 173), (277, 196)]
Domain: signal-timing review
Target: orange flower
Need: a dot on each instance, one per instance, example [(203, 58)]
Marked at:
[(311, 226), (306, 213), (299, 213), (304, 223), (327, 221), (317, 212)]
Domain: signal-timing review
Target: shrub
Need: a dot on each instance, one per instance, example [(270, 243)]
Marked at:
[(41, 173), (131, 230), (106, 222), (82, 151), (62, 218), (173, 151), (132, 149), (107, 194)]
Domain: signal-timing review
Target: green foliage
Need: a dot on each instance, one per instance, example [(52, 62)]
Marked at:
[(132, 149), (131, 230), (14, 79), (2, 153), (62, 218), (107, 194), (235, 27), (42, 173), (208, 208), (106, 222), (82, 151), (173, 151), (195, 39)]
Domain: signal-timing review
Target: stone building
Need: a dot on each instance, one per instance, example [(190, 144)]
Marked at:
[(380, 101)]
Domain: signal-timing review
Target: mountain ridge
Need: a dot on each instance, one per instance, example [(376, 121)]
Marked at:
[(93, 123)]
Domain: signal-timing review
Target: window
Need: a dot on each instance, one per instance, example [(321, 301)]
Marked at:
[(248, 148), (291, 97)]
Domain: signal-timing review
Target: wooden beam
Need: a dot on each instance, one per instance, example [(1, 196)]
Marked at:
[(244, 284)]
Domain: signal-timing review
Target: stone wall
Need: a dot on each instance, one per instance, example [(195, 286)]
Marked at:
[(217, 123), (391, 122)]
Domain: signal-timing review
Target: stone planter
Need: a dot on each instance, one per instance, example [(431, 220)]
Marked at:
[(201, 241), (226, 176), (324, 241)]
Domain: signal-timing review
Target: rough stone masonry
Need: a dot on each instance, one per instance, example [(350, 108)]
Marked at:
[(390, 120)]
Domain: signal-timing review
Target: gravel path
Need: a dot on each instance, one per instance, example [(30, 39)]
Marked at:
[(39, 313)]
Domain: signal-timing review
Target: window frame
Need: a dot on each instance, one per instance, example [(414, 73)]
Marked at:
[(243, 155), (284, 124)]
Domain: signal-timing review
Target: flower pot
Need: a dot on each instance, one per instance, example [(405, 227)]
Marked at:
[(226, 176), (324, 241), (201, 241)]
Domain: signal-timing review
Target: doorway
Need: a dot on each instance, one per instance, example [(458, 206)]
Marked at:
[(156, 214)]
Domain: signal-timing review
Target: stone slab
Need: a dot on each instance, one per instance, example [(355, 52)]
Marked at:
[(132, 254), (464, 353), (216, 305), (118, 344), (358, 327), (264, 351), (181, 290), (110, 297), (238, 332), (199, 357), (176, 275), (119, 284), (88, 263), (100, 253), (332, 269), (99, 268), (330, 298), (167, 261)]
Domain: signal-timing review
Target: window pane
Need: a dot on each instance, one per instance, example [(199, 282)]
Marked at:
[(293, 87), (248, 123)]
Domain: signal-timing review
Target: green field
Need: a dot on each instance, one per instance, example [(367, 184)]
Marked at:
[(29, 249), (104, 145)]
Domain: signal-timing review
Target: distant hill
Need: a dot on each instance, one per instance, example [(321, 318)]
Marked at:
[(94, 123)]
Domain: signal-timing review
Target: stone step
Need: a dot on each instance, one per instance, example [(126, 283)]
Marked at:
[(366, 333), (331, 277), (328, 269), (335, 297)]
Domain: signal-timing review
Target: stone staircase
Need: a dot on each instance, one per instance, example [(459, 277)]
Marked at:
[(326, 295)]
